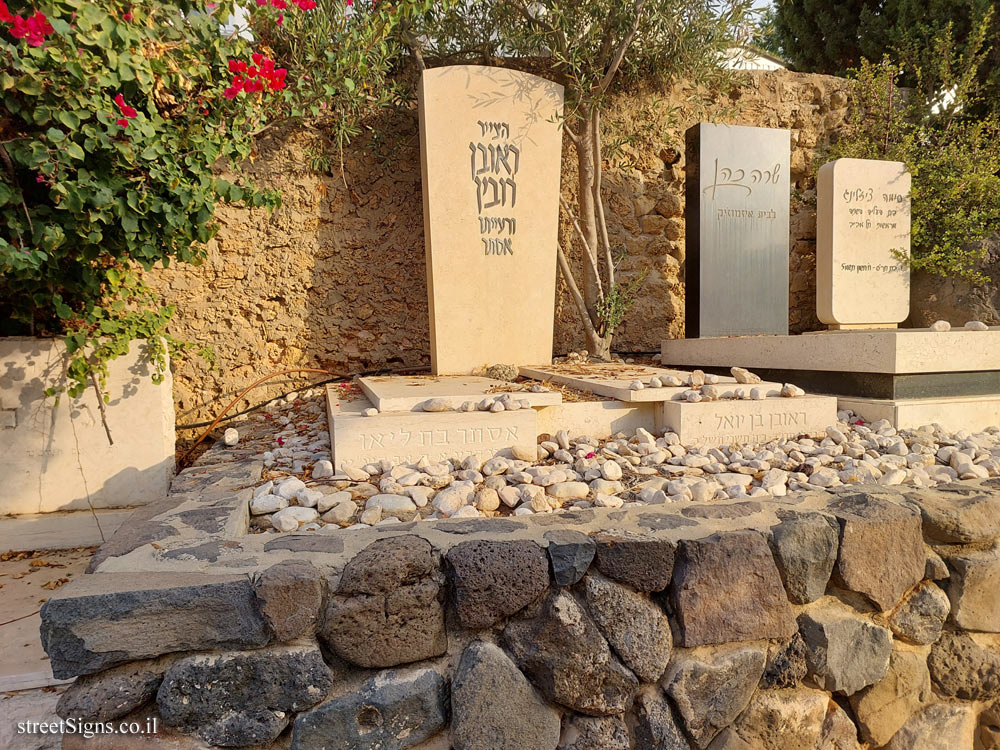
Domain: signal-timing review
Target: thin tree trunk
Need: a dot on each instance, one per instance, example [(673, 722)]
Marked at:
[(588, 217)]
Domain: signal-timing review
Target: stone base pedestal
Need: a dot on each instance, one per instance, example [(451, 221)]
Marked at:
[(908, 376), (726, 422), (407, 436), (885, 350), (971, 413), (599, 419)]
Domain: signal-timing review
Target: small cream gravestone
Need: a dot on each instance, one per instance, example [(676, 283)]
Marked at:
[(862, 222), (491, 152)]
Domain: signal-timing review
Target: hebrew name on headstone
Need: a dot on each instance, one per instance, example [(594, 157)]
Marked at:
[(737, 205), (862, 243), (491, 146)]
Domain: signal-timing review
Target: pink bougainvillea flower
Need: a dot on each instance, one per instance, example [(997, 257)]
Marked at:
[(591, 454), (33, 29), (127, 17), (5, 15), (279, 4), (281, 440), (125, 109), (281, 19), (260, 76), (123, 122)]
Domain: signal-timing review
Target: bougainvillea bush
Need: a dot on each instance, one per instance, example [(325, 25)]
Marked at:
[(117, 120), (113, 117)]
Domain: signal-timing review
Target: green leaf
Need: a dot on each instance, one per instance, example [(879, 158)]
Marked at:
[(29, 86), (55, 135), (68, 118), (74, 150)]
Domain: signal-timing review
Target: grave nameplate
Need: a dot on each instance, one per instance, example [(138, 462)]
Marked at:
[(862, 228), (754, 422), (737, 206), (406, 437), (491, 147)]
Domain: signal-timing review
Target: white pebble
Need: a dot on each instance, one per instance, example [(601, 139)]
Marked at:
[(322, 469)]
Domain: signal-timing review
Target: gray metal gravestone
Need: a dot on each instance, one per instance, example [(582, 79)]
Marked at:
[(737, 206)]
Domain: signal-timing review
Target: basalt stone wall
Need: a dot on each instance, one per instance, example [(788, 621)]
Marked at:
[(335, 277), (868, 618)]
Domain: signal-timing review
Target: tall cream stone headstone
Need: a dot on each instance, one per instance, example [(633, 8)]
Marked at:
[(862, 222), (491, 147)]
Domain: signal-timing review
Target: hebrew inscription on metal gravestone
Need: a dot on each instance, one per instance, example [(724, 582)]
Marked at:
[(737, 205), (862, 241), (491, 149)]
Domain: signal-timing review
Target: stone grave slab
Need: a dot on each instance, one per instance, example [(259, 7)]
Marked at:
[(613, 380), (491, 151), (406, 436), (725, 422), (862, 221), (403, 393), (737, 214), (903, 350)]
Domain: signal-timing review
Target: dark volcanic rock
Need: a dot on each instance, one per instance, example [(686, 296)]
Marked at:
[(106, 619), (562, 652), (290, 595), (595, 733), (392, 711), (493, 580), (655, 726), (881, 548), (805, 549), (958, 518), (242, 698), (571, 553), (727, 588), (787, 667), (636, 628), (643, 562), (961, 668), (921, 615), (494, 707), (388, 609), (111, 694), (844, 652), (711, 687)]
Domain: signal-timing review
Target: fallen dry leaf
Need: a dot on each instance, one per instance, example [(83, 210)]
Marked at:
[(52, 585)]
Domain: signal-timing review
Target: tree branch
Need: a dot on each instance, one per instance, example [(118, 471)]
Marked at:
[(591, 254), (560, 38), (574, 290), (414, 44), (622, 48), (602, 221)]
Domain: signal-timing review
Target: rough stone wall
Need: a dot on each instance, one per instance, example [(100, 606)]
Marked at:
[(841, 621), (335, 277)]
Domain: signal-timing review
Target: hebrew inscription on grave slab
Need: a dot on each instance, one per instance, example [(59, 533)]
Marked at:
[(491, 150), (862, 243), (737, 205)]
